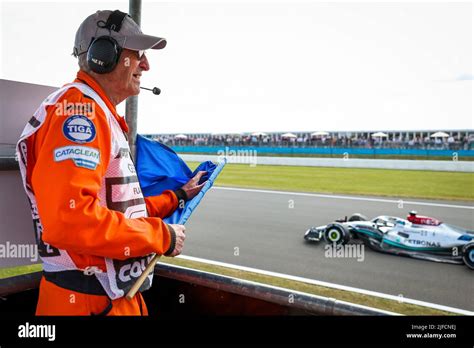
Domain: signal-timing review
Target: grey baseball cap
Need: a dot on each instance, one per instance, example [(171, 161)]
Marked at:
[(129, 36)]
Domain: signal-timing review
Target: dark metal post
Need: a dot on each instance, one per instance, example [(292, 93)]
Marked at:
[(131, 108)]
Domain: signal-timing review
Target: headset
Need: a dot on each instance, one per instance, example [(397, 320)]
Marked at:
[(104, 52)]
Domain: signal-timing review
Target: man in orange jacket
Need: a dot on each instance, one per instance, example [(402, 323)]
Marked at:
[(95, 231)]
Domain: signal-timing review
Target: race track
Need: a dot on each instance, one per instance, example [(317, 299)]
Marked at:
[(265, 230)]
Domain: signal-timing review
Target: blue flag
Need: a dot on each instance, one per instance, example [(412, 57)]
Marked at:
[(159, 168)]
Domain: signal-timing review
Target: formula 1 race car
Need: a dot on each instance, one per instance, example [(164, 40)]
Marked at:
[(418, 236)]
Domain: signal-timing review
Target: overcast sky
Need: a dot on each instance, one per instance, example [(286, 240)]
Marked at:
[(272, 66)]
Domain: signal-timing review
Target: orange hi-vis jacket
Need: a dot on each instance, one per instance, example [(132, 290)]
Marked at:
[(88, 210)]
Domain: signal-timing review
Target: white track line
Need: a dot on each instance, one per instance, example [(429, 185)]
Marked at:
[(331, 285), (345, 197)]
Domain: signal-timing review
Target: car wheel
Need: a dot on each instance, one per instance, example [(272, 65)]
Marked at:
[(337, 234), (468, 256), (357, 217)]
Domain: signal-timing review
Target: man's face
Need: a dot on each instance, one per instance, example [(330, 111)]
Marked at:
[(128, 71)]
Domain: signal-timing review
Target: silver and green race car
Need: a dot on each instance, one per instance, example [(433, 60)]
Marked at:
[(416, 236)]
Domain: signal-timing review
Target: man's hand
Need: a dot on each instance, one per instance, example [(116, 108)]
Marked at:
[(192, 187), (180, 237)]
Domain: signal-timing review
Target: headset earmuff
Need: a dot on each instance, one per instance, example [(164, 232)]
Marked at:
[(103, 54)]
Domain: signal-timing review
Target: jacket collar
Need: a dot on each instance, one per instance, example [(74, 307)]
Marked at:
[(83, 77)]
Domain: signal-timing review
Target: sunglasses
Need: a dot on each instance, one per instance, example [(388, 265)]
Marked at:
[(141, 53)]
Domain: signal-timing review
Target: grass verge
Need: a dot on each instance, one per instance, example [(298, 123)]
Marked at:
[(357, 181), (14, 271)]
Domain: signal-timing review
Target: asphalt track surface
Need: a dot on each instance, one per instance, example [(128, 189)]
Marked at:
[(265, 230)]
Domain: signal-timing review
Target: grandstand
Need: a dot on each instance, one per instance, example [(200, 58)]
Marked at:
[(462, 139)]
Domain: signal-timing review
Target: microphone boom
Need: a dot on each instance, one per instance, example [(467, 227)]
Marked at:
[(155, 90)]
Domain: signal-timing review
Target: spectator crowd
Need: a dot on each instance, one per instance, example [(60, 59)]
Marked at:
[(456, 140)]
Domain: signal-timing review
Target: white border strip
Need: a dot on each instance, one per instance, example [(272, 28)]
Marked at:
[(331, 285), (345, 197), (248, 156)]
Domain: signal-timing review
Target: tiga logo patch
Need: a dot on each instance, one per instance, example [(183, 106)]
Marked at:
[(82, 156), (79, 129)]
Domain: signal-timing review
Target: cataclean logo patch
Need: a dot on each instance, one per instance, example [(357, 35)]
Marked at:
[(82, 156), (79, 128)]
